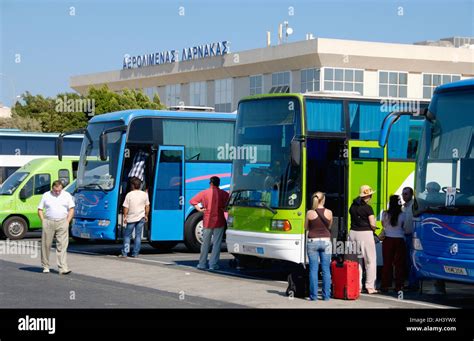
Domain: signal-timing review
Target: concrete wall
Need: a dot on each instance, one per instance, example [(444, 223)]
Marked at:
[(241, 89), (415, 85), (371, 85)]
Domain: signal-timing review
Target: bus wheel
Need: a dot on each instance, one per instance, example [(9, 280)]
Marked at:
[(15, 228), (193, 230), (164, 246)]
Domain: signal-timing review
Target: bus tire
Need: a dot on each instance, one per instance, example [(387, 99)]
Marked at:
[(192, 231), (15, 228), (164, 246)]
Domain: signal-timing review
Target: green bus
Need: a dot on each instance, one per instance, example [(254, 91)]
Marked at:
[(297, 144), (21, 193)]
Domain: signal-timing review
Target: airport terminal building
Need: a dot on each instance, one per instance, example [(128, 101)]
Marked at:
[(212, 75)]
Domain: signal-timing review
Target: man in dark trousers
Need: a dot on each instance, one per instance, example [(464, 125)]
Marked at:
[(213, 202)]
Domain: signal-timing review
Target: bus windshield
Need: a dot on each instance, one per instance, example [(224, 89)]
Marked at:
[(263, 173), (94, 173), (446, 156), (11, 184)]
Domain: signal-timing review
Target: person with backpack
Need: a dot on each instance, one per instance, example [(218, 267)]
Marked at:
[(318, 224), (393, 246)]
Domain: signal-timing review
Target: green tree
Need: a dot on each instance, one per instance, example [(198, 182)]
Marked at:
[(70, 111), (108, 101), (22, 123)]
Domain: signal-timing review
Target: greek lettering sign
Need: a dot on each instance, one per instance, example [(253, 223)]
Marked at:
[(173, 56)]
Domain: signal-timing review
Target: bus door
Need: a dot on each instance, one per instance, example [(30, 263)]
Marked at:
[(326, 172), (167, 206), (367, 165)]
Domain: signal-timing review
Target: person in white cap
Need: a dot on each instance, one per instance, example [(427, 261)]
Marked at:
[(362, 233)]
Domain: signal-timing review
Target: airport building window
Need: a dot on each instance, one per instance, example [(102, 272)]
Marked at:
[(281, 79), (310, 80), (339, 79), (198, 93), (393, 84), (150, 92), (256, 85), (432, 80), (223, 95), (173, 95)]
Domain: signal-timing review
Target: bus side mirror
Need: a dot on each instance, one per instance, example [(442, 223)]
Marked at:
[(59, 147), (429, 115), (295, 152), (103, 147)]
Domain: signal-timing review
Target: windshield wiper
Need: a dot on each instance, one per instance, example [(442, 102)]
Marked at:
[(258, 203), (264, 205), (92, 185)]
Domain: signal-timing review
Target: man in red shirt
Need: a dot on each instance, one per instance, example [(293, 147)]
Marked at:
[(213, 201)]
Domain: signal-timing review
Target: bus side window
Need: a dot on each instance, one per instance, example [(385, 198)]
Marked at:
[(63, 175), (42, 183)]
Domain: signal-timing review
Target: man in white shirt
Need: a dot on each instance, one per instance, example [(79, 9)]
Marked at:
[(59, 207), (136, 208)]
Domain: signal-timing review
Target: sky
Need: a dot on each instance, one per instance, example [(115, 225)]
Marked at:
[(44, 43)]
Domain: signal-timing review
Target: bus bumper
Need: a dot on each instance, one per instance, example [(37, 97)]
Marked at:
[(448, 269), (90, 229), (286, 247)]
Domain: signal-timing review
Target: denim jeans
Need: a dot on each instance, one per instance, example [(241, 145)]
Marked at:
[(138, 227), (319, 250), (216, 234)]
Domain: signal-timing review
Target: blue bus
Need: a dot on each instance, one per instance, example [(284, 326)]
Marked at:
[(17, 148), (443, 240), (181, 151)]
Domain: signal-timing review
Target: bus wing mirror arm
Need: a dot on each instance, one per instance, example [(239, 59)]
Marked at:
[(60, 141), (388, 122), (103, 140)]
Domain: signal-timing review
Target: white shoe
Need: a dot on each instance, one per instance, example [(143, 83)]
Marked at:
[(46, 271)]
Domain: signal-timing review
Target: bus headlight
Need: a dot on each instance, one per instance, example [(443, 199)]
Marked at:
[(417, 244), (104, 222), (281, 225), (230, 221)]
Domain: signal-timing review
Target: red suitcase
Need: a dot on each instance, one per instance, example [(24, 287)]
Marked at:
[(345, 280)]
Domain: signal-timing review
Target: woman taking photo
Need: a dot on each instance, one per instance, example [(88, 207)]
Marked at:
[(318, 224), (362, 233)]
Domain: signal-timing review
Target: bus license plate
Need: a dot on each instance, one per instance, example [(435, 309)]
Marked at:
[(85, 235), (253, 249), (455, 270)]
